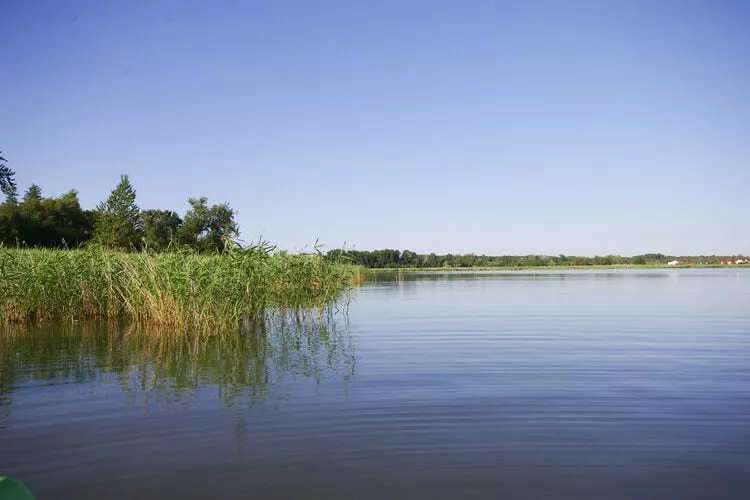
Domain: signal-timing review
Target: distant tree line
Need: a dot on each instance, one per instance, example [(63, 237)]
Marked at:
[(389, 258), (117, 222)]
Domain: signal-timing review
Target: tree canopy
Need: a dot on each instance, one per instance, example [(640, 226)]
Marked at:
[(7, 181), (117, 222), (160, 228), (208, 229)]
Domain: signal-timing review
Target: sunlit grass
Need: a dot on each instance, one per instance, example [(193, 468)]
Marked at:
[(182, 289)]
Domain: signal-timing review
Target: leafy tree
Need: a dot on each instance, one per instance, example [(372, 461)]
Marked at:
[(33, 196), (118, 222), (52, 221), (9, 220), (9, 225), (8, 182), (160, 228), (409, 259), (430, 260), (467, 260), (32, 217), (208, 229), (65, 220)]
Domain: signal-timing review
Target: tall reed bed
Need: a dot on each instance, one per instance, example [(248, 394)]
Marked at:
[(180, 289)]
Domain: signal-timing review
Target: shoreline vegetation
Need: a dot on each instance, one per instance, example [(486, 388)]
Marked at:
[(180, 290), (546, 268), (406, 260), (60, 262)]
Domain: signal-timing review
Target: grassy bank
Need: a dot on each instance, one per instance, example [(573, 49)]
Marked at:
[(183, 289)]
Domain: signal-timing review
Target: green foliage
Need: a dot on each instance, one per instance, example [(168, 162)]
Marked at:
[(208, 229), (380, 259), (430, 260), (118, 222), (9, 225), (409, 258), (54, 221), (7, 182), (178, 289), (159, 229), (9, 221)]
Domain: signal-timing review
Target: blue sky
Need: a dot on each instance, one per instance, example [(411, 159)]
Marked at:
[(480, 126)]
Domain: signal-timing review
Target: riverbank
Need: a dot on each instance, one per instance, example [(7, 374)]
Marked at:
[(183, 290), (548, 268)]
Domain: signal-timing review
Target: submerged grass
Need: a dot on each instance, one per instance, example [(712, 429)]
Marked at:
[(182, 289)]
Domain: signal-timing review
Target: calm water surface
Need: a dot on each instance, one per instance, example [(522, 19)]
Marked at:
[(625, 384)]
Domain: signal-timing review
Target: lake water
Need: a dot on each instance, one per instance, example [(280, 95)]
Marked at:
[(582, 384)]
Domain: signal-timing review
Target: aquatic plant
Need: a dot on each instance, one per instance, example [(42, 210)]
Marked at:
[(184, 290)]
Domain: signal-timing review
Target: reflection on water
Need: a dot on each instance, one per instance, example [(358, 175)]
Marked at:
[(542, 274), (152, 367), (534, 385)]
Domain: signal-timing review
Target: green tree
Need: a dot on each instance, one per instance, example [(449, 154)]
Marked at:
[(33, 196), (66, 220), (9, 225), (118, 222), (54, 222), (30, 210), (159, 228), (430, 260), (8, 182), (466, 260), (409, 259), (208, 229), (9, 219)]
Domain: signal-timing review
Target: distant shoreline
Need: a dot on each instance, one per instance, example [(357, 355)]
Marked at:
[(554, 268)]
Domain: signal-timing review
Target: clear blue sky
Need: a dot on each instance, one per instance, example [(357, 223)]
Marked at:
[(480, 126)]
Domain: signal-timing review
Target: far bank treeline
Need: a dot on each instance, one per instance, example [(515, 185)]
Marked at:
[(389, 258), (33, 221)]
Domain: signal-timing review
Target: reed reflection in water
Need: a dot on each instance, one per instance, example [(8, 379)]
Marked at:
[(166, 368)]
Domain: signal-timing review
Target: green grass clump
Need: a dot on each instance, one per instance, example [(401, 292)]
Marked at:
[(180, 289)]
